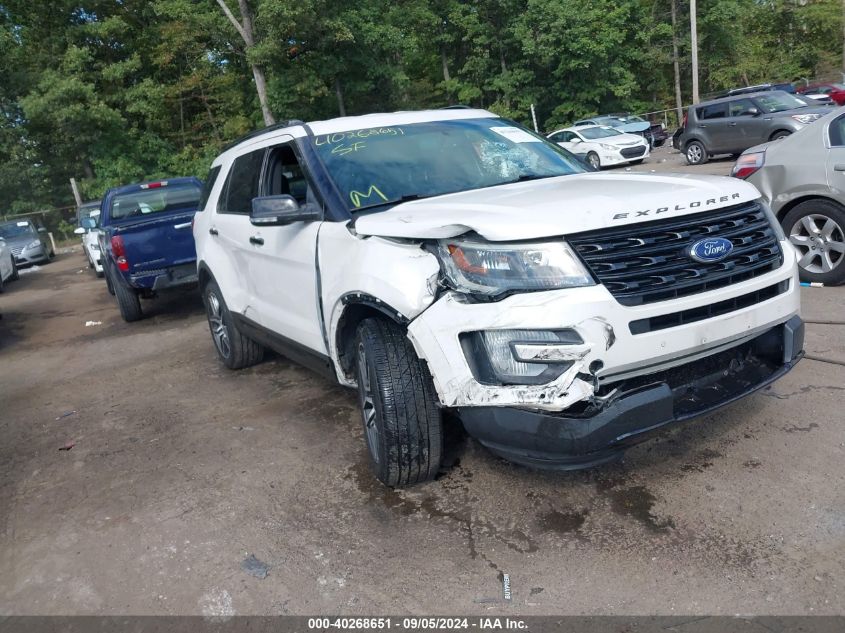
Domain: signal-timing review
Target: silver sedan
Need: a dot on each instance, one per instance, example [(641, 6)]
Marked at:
[(802, 177)]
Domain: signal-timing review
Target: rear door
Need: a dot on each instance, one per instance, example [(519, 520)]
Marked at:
[(713, 128)]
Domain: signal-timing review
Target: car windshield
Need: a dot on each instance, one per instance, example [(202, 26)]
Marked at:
[(376, 167), (11, 230), (157, 199), (778, 102), (598, 132)]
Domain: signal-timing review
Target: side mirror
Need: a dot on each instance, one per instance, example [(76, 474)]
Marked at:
[(41, 229), (79, 231), (751, 112), (576, 140), (281, 210)]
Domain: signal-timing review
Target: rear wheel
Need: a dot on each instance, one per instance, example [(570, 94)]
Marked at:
[(109, 285), (593, 160), (128, 302), (235, 349), (403, 427), (696, 153), (817, 229)]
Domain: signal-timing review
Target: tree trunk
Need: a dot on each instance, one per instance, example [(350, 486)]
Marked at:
[(338, 90), (693, 24), (444, 62), (245, 30), (679, 102)]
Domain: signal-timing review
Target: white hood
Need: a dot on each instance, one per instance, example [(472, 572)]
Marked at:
[(557, 206), (620, 140)]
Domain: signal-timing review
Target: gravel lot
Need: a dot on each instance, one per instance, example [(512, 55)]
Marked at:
[(180, 470)]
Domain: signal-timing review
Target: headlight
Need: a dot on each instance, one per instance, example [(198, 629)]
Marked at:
[(608, 147), (34, 244), (491, 269), (805, 118)]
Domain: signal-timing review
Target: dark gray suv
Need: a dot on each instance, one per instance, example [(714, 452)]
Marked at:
[(731, 125)]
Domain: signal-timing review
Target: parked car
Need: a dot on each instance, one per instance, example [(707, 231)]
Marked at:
[(654, 133), (29, 242), (87, 217), (8, 267), (146, 242), (835, 91), (451, 259), (602, 146), (784, 87), (816, 100), (803, 178), (731, 125)]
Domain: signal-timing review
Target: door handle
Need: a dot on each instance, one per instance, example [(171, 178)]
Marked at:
[(258, 241), (839, 167), (184, 225), (212, 231), (732, 124), (702, 125)]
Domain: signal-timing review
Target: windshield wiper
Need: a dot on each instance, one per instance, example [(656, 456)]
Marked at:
[(527, 177), (405, 198)]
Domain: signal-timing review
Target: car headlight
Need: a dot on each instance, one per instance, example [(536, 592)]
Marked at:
[(805, 118), (492, 269), (608, 147), (34, 244)]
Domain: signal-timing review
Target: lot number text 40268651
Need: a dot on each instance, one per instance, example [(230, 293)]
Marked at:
[(417, 623)]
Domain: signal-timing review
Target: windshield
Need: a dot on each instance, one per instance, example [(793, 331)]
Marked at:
[(778, 102), (11, 230), (376, 167), (158, 200), (598, 132)]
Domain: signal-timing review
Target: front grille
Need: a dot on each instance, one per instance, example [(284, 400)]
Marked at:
[(649, 262), (631, 152), (664, 321), (17, 250)]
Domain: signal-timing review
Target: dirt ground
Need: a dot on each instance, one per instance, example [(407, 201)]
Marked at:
[(180, 470)]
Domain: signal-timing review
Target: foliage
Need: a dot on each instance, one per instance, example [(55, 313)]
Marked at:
[(110, 91)]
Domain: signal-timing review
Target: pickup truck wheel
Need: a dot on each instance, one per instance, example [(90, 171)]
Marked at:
[(403, 426), (696, 153), (817, 229), (128, 302), (109, 285), (234, 349)]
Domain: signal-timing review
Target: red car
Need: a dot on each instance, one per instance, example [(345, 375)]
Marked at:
[(832, 90)]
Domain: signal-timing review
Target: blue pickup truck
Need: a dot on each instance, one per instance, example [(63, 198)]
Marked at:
[(146, 239)]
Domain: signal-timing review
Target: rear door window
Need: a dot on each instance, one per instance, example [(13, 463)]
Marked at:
[(242, 185), (715, 111)]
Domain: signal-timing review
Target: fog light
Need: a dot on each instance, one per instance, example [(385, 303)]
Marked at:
[(522, 357)]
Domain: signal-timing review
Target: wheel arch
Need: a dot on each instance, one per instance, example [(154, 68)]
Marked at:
[(204, 275), (358, 306), (789, 206)]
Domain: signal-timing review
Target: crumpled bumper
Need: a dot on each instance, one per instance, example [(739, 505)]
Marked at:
[(639, 406)]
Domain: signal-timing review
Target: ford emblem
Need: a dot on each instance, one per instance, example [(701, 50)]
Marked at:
[(712, 249)]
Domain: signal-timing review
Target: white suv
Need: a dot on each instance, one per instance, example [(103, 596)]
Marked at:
[(451, 259)]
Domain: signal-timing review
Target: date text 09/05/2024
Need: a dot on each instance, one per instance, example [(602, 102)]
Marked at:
[(418, 623)]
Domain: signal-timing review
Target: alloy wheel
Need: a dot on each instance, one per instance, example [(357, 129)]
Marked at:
[(821, 242), (368, 406), (219, 331), (594, 161), (694, 153)]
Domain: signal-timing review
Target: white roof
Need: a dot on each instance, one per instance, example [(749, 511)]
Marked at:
[(345, 124)]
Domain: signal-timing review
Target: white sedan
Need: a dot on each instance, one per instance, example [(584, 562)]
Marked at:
[(8, 268), (602, 146)]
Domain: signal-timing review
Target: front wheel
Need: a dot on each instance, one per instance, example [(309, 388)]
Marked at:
[(779, 135), (593, 160), (403, 426), (696, 153), (817, 229), (234, 349), (639, 161), (15, 272)]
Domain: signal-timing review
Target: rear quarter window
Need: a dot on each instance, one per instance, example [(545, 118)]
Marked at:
[(715, 111)]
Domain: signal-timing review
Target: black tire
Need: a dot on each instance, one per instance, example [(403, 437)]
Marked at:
[(660, 143), (639, 161), (403, 425), (128, 302), (2, 284), (16, 274), (817, 229), (780, 134), (234, 349), (593, 160), (696, 153), (109, 285), (99, 273)]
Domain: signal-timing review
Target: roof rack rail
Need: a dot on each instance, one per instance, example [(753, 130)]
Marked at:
[(264, 130)]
